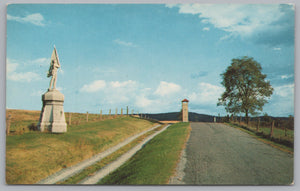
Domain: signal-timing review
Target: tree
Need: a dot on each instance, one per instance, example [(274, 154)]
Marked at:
[(179, 116), (246, 88)]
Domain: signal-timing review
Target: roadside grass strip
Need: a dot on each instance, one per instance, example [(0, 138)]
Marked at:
[(89, 171), (70, 171), (154, 164), (265, 140)]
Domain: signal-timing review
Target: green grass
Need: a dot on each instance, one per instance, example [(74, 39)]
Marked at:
[(155, 163), (33, 156), (279, 139), (105, 161)]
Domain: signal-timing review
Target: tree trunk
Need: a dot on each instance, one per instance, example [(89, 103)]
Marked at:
[(247, 118)]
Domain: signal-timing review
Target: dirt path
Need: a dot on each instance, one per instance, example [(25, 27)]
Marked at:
[(70, 171), (219, 154), (121, 160)]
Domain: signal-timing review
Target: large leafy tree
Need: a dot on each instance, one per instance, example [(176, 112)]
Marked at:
[(246, 88)]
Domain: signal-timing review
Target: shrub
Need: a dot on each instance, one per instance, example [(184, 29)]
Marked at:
[(32, 127)]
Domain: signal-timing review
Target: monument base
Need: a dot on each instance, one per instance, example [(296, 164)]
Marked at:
[(52, 116)]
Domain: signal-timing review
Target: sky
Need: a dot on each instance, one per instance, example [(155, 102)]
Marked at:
[(147, 57)]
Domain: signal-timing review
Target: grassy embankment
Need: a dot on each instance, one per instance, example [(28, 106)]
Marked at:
[(156, 162), (105, 161), (280, 139), (33, 155)]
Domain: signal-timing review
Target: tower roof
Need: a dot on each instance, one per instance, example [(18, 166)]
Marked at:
[(185, 100)]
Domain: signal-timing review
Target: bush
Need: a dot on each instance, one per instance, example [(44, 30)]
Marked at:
[(32, 127)]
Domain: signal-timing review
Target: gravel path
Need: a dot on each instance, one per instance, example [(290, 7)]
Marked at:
[(219, 154), (117, 163), (179, 174), (70, 171)]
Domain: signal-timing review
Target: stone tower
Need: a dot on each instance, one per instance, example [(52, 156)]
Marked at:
[(185, 110)]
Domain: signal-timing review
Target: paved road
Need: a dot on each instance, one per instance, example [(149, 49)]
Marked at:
[(220, 154)]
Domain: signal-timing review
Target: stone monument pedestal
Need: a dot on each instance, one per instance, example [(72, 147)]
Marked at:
[(52, 116)]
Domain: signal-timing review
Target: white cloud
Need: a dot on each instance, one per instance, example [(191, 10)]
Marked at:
[(277, 48), (245, 20), (117, 84), (124, 43), (171, 5), (236, 18), (12, 74), (206, 94), (11, 67), (286, 76), (35, 19), (206, 29), (116, 93), (23, 77), (284, 90), (41, 61), (166, 88), (143, 102), (282, 101), (94, 86), (37, 93)]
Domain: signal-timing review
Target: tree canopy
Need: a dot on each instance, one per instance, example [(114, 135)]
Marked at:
[(246, 88)]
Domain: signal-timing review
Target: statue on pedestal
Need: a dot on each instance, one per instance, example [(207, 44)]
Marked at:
[(52, 116)]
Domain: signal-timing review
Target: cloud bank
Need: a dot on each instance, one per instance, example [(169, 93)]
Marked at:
[(35, 19), (13, 74), (270, 24)]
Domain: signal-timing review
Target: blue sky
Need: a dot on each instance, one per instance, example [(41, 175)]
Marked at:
[(147, 57)]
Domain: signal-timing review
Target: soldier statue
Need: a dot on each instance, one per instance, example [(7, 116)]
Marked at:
[(54, 65)]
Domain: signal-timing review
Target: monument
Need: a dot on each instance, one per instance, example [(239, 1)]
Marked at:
[(185, 110), (52, 116)]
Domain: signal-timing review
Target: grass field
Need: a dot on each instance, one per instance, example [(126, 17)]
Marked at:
[(32, 156), (279, 139), (21, 119), (155, 163)]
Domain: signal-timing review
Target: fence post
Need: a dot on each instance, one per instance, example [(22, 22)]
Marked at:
[(109, 114), (101, 114), (127, 111), (70, 116), (131, 112), (272, 127), (8, 124), (87, 116), (258, 122), (116, 113), (285, 131), (240, 119)]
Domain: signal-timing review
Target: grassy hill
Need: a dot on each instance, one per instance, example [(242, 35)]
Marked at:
[(174, 116), (196, 117), (32, 155)]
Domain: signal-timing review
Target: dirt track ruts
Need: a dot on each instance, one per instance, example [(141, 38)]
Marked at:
[(70, 171)]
